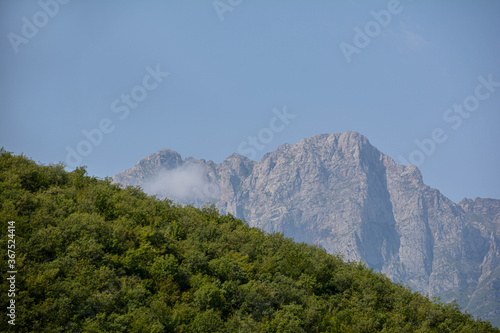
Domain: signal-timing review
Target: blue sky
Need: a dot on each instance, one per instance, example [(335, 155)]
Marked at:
[(421, 68)]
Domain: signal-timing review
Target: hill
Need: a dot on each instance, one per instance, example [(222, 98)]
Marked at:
[(93, 257)]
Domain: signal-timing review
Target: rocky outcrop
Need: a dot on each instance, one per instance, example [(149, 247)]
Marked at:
[(149, 167), (340, 192)]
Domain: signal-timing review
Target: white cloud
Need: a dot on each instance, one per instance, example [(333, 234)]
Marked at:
[(411, 39), (185, 182)]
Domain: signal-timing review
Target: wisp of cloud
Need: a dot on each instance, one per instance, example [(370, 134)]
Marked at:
[(185, 182)]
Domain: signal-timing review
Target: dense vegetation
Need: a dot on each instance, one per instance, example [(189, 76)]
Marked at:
[(92, 257)]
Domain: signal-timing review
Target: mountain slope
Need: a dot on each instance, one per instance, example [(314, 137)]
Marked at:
[(92, 257), (340, 192)]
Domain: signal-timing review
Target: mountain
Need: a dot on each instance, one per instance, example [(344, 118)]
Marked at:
[(86, 255), (339, 192)]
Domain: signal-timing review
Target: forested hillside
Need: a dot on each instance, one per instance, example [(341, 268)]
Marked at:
[(92, 257)]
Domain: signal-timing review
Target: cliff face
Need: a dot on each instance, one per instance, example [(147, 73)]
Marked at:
[(484, 215), (340, 192)]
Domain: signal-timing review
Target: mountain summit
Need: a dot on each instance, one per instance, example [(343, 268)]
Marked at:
[(340, 192)]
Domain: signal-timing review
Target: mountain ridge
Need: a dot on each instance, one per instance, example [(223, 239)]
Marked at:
[(340, 192)]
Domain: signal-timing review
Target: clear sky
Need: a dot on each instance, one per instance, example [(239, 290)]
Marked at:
[(395, 72)]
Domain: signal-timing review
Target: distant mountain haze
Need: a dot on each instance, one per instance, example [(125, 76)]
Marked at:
[(340, 192)]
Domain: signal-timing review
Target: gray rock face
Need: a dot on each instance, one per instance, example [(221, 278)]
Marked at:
[(340, 192)]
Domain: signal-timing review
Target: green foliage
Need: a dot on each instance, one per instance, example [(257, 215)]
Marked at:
[(93, 257)]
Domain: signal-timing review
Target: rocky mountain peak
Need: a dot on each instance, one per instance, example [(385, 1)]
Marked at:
[(165, 158), (341, 193)]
